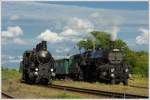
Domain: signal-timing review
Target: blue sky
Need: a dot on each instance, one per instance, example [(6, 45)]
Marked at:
[(63, 24)]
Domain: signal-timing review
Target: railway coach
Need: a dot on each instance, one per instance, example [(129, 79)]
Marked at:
[(68, 68)]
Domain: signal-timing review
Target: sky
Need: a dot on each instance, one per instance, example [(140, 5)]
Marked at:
[(63, 24)]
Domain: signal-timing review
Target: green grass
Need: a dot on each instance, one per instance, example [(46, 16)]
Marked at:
[(10, 74), (26, 91), (68, 96)]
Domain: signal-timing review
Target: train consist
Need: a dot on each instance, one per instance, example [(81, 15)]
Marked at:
[(97, 65), (37, 65)]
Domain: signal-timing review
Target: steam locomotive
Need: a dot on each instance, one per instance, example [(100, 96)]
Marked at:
[(37, 65), (115, 70), (97, 65)]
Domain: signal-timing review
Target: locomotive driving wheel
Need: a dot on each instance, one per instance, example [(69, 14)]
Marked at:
[(112, 81), (125, 82), (81, 75), (30, 81)]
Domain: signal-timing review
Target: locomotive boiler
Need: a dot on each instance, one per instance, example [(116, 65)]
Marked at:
[(37, 65)]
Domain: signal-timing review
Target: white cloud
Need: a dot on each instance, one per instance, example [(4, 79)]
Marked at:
[(79, 24), (14, 59), (10, 57), (49, 36), (14, 17), (63, 49), (69, 32), (143, 38), (12, 32), (75, 30), (94, 15), (20, 41)]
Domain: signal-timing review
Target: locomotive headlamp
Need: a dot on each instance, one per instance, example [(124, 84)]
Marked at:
[(36, 69), (52, 70), (112, 75), (112, 69), (35, 73), (126, 70)]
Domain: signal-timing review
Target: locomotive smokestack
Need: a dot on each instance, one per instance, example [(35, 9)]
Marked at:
[(44, 45)]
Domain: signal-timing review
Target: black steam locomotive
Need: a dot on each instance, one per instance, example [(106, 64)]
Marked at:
[(115, 70), (97, 65), (37, 65), (105, 66)]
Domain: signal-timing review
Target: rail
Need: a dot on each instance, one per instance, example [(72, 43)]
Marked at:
[(7, 96), (98, 92)]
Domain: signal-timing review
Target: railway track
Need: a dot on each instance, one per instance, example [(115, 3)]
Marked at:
[(4, 95), (142, 87), (97, 92)]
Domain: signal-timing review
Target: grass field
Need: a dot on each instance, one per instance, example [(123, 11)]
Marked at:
[(13, 76), (22, 90), (12, 85)]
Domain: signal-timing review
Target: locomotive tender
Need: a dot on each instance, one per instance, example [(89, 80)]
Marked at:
[(37, 65), (97, 65)]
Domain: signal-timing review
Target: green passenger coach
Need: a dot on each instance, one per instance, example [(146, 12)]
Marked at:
[(67, 68), (62, 68)]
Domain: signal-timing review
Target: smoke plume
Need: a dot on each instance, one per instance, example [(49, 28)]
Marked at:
[(115, 30)]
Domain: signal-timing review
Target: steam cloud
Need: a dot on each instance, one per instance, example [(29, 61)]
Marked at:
[(115, 30)]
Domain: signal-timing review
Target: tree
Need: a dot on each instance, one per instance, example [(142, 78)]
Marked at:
[(120, 44), (102, 39), (86, 44)]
